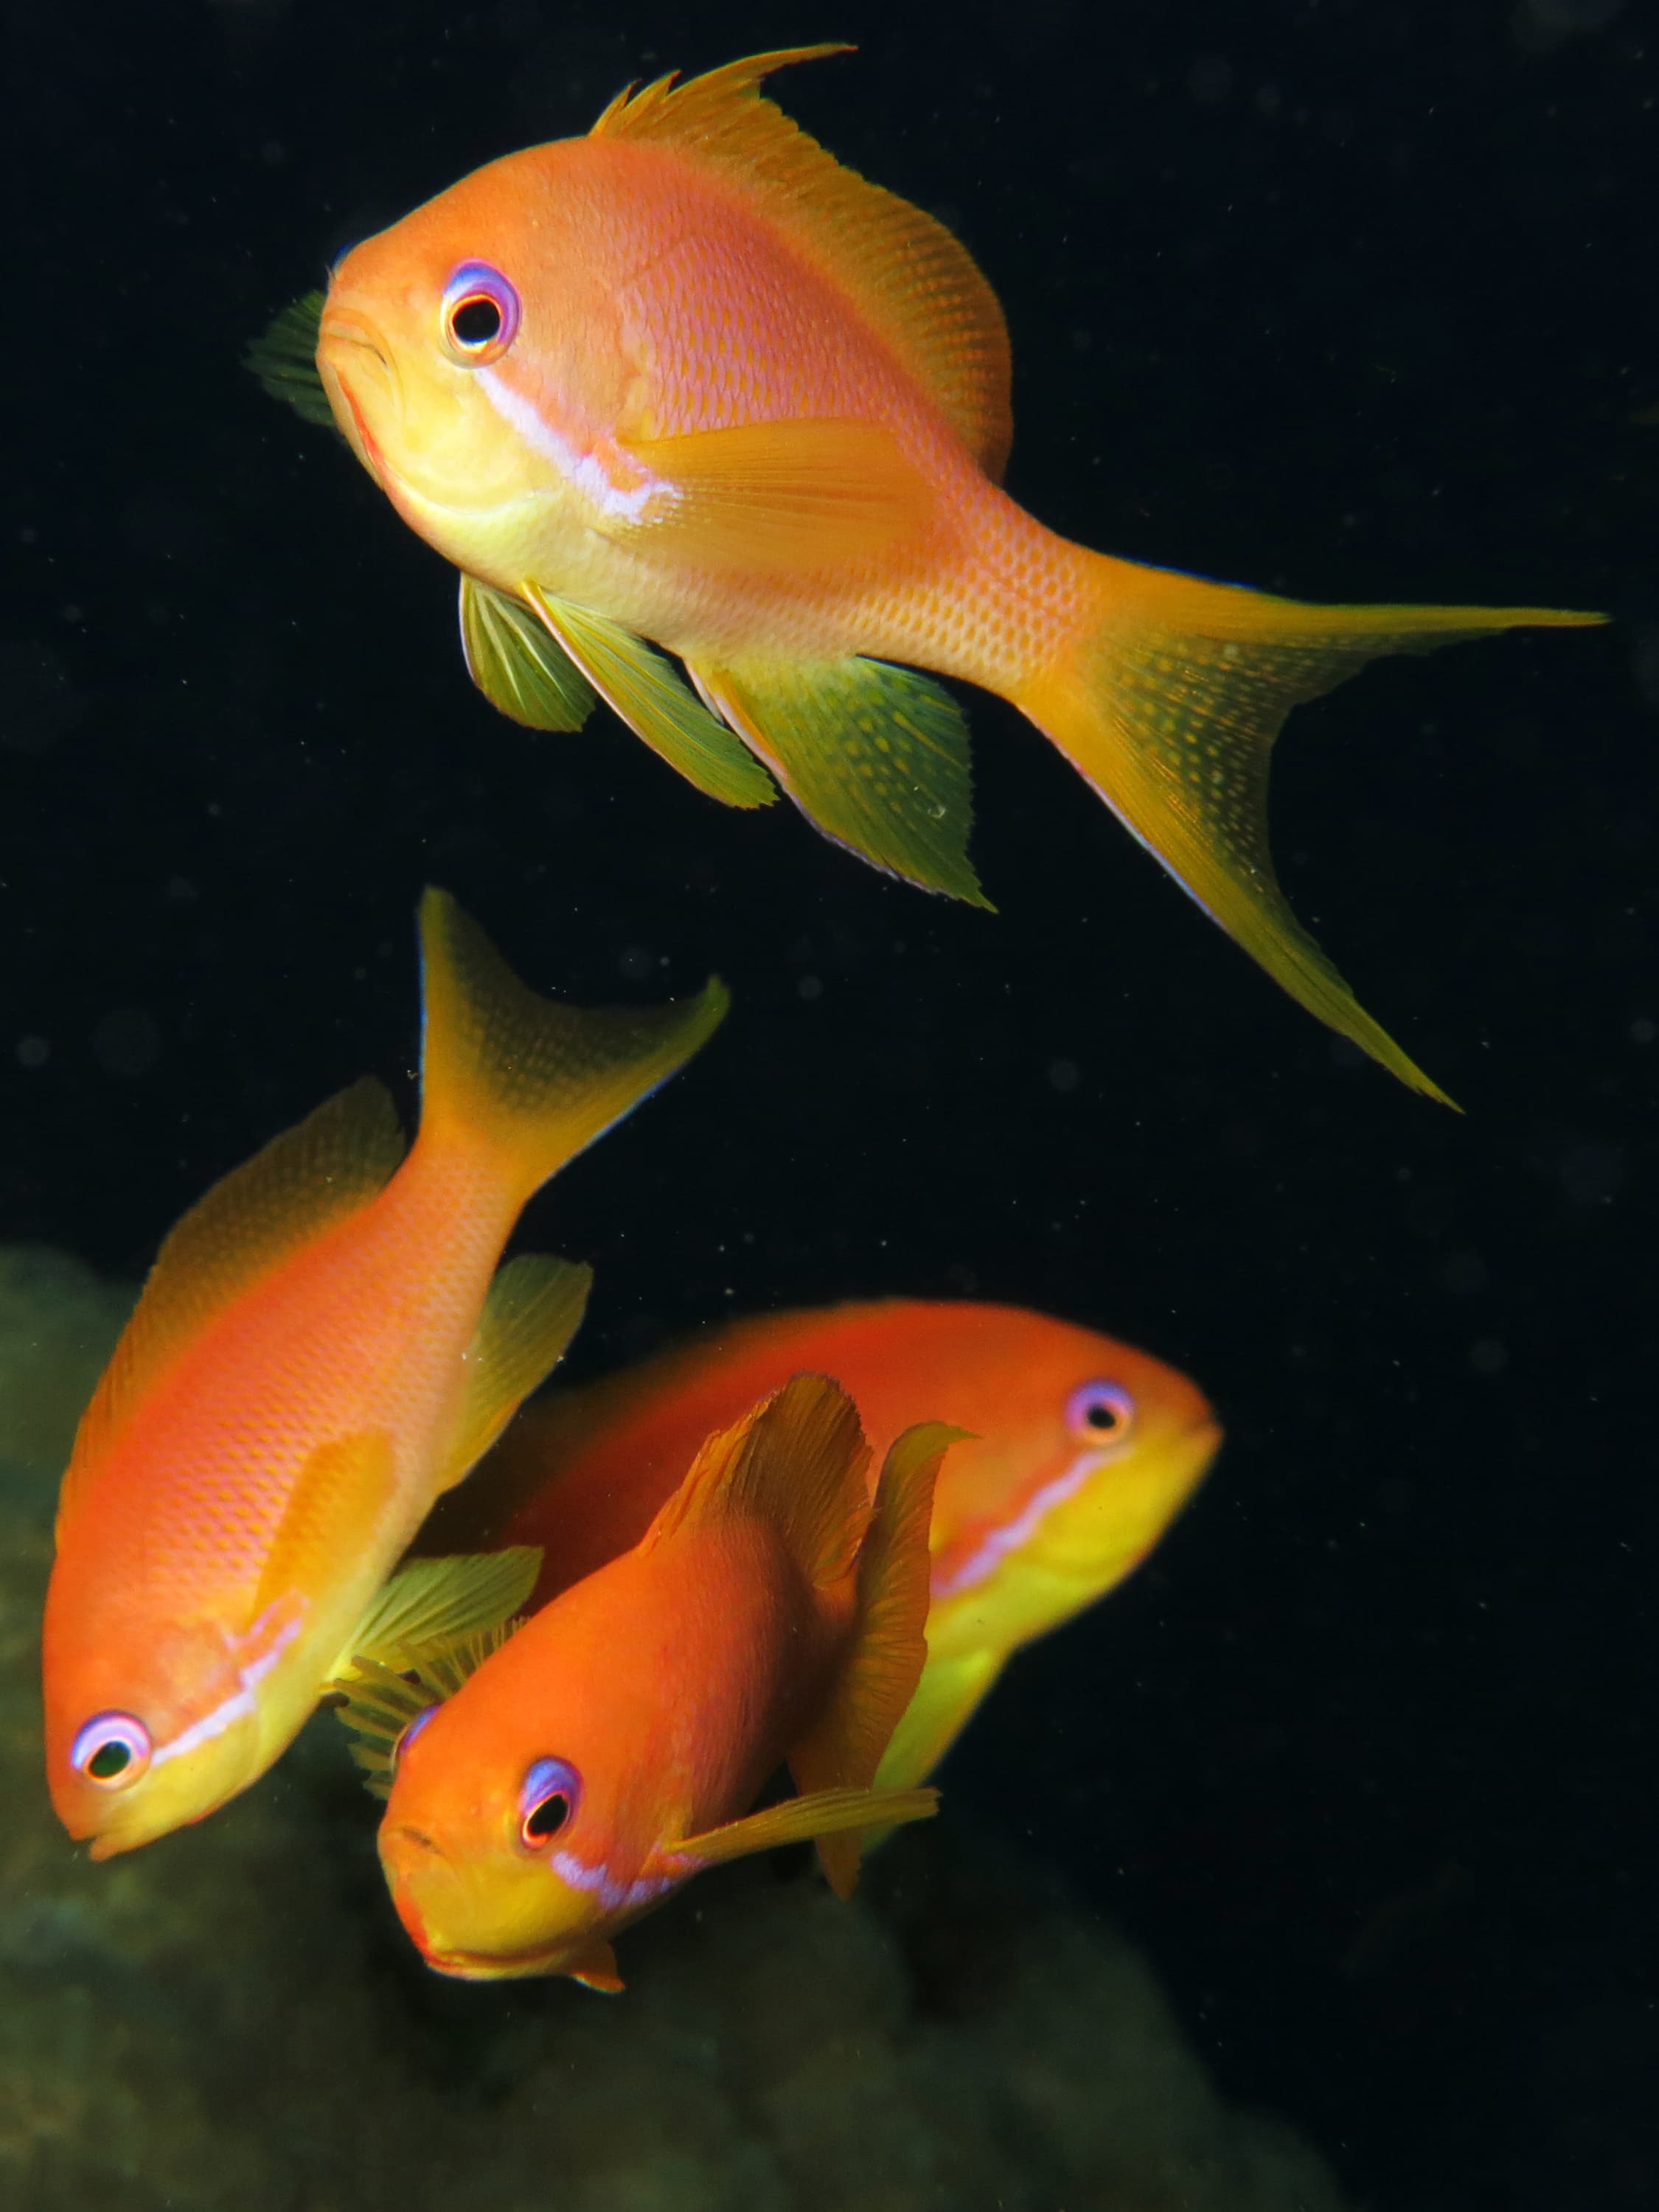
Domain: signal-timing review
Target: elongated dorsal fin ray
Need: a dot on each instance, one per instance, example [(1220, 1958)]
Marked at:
[(796, 1459), (535, 1306), (517, 664), (876, 757), (916, 283), (888, 1650), (300, 1184)]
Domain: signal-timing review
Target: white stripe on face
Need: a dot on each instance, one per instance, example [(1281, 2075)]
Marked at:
[(582, 471)]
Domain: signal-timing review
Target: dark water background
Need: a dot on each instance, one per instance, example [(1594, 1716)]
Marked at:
[(1352, 300)]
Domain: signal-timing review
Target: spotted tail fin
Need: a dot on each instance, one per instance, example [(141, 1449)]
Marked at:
[(1169, 705)]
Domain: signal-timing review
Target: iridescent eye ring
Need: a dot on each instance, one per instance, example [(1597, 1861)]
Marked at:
[(113, 1750), (547, 1798), (480, 314), (412, 1732), (1099, 1413)]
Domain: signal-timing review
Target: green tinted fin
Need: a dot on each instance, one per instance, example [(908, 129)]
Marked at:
[(802, 1821), (875, 756), (1169, 702), (260, 1214), (534, 1308), (435, 1602), (517, 664), (376, 1703), (285, 360), (645, 691)]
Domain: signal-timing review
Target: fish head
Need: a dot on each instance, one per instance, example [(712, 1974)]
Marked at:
[(440, 349), (148, 1732), (1086, 1449), (505, 1858)]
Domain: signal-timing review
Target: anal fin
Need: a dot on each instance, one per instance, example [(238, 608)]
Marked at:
[(534, 1308), (642, 689), (875, 756), (517, 664)]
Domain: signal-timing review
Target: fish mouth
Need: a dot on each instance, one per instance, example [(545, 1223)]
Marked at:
[(344, 343), (495, 1966)]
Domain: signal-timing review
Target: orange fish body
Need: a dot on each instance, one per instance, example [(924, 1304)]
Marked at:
[(688, 380), (324, 1346), (1078, 1453), (612, 1748)]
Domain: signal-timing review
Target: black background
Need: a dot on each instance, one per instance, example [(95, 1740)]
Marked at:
[(1351, 300)]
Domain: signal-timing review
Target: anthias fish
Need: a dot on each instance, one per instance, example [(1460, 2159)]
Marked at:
[(1080, 1450), (614, 1747), (688, 380), (324, 1346)]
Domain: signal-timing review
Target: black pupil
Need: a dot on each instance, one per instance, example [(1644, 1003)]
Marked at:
[(475, 322), (1103, 1415), (109, 1760), (547, 1818)]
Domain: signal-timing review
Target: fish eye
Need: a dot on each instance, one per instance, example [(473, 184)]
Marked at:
[(1097, 1410), (480, 314), (111, 1750), (410, 1733), (547, 1798)]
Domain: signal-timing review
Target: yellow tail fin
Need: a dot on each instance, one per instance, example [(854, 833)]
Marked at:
[(1170, 704), (536, 1082), (889, 1648)]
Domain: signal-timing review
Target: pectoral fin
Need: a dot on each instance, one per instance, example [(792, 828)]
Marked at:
[(804, 1820), (335, 1513), (642, 689), (285, 360), (434, 1601), (517, 664), (771, 498), (875, 756), (534, 1308)]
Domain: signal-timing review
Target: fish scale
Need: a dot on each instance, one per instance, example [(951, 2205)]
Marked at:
[(730, 399)]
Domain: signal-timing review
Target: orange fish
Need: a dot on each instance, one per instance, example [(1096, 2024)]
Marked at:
[(689, 379), (1080, 1451), (323, 1346), (612, 1748)]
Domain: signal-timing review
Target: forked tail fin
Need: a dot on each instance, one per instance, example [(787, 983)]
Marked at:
[(535, 1082), (1169, 705)]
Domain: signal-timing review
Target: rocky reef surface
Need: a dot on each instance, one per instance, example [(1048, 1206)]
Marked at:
[(231, 2021)]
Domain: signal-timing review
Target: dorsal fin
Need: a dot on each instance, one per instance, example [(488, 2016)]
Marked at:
[(889, 1648), (915, 283), (797, 1460), (303, 1182)]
